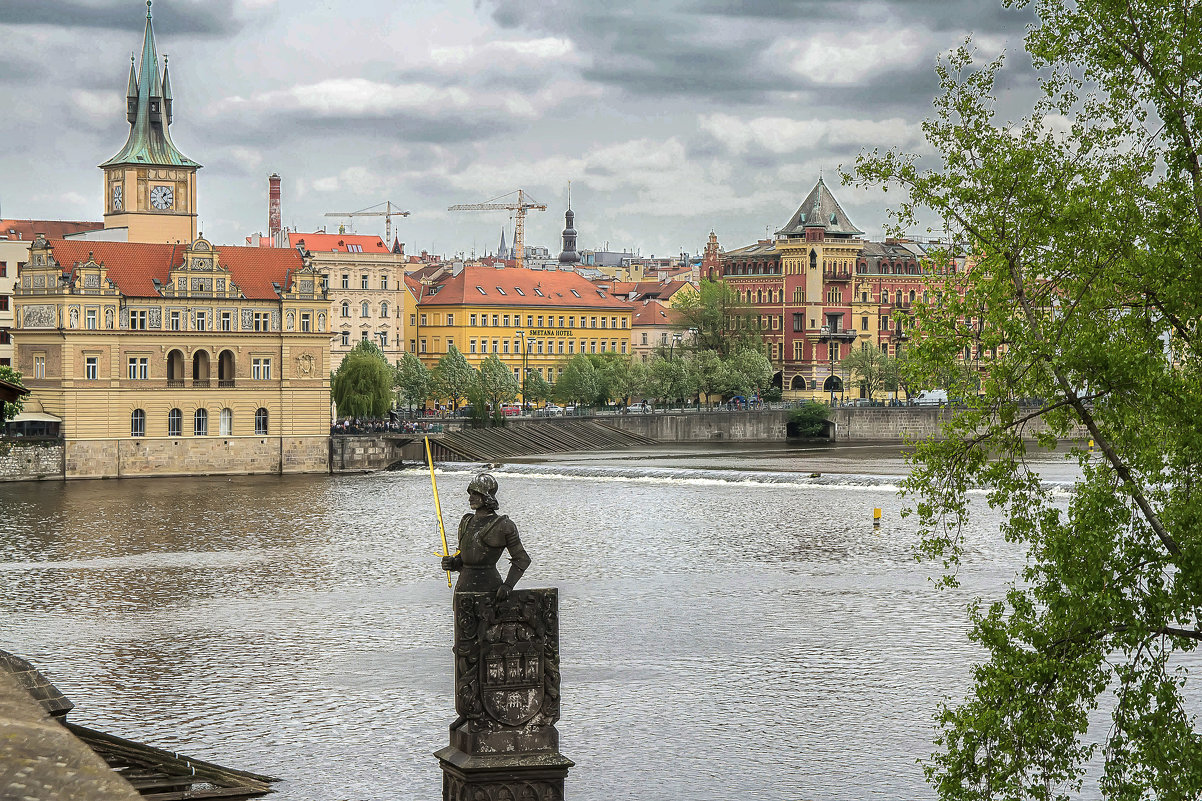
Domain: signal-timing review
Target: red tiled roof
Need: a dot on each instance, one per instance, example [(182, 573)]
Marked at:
[(133, 266), (338, 243), (520, 288), (654, 289), (654, 314), (53, 229)]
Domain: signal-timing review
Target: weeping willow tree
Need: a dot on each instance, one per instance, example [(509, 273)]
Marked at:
[(1082, 227)]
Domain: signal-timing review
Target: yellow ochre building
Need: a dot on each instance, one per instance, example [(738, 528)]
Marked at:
[(550, 314), (165, 354)]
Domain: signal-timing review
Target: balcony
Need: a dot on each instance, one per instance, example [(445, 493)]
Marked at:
[(897, 335), (225, 383), (836, 274), (828, 334), (200, 383), (175, 383)]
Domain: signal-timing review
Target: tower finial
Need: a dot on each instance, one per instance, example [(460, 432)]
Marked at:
[(147, 9), (569, 194)]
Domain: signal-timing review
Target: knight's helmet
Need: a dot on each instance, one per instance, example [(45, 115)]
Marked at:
[(485, 485)]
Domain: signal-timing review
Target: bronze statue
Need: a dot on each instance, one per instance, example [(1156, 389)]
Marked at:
[(483, 535)]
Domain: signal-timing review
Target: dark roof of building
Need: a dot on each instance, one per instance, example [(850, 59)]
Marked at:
[(821, 210), (52, 229), (10, 391), (763, 248), (509, 286), (135, 266)]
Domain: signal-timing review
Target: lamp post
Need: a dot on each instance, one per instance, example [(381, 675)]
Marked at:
[(522, 382)]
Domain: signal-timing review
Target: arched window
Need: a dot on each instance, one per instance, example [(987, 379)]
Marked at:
[(798, 382), (884, 296), (137, 423), (175, 365), (911, 295), (175, 423), (225, 368), (261, 422), (813, 259), (200, 367), (200, 424), (759, 296), (346, 308), (832, 384), (227, 423), (384, 309), (363, 309)]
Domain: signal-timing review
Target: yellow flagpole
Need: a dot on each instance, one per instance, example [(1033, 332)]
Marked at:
[(446, 549)]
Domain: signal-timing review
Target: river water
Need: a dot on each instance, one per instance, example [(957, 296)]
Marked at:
[(731, 627)]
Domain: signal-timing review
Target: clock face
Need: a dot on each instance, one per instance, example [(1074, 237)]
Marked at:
[(117, 197), (161, 197)]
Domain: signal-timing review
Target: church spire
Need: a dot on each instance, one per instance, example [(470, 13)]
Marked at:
[(149, 140), (569, 254)]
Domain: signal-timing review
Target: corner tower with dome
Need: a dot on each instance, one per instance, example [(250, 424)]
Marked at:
[(149, 185)]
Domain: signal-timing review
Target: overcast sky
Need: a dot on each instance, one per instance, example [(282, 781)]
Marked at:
[(670, 117)]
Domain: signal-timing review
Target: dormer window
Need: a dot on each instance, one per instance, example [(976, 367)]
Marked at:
[(539, 292), (502, 291), (480, 289), (518, 290), (574, 292)]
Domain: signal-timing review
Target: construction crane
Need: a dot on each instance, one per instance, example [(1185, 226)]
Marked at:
[(388, 213), (523, 204)]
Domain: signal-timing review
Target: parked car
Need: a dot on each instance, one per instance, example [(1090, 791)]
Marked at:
[(511, 410), (465, 411), (550, 410), (931, 397)]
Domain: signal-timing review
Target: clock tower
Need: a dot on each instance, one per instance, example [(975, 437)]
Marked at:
[(150, 187)]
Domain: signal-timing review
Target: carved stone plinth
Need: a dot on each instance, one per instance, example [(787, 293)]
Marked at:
[(504, 746)]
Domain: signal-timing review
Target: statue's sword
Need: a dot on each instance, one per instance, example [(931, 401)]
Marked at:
[(446, 549)]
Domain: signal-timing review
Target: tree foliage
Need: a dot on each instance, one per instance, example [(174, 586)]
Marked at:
[(1083, 227), (413, 380), (10, 409), (497, 384), (871, 369), (808, 420), (581, 382), (748, 373), (362, 385), (718, 320), (452, 378), (535, 388)]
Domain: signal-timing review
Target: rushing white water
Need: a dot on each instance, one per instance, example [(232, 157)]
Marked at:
[(732, 626)]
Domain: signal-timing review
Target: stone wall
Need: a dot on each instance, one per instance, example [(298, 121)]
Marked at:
[(23, 459), (356, 454), (763, 426), (891, 423), (195, 456)]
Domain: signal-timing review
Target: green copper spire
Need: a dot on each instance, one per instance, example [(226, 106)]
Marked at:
[(149, 139)]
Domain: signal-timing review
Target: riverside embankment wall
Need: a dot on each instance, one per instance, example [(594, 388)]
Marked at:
[(23, 459)]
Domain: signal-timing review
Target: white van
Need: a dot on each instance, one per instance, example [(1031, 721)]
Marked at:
[(931, 397)]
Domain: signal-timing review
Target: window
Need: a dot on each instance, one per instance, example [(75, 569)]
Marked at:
[(384, 309), (572, 320), (592, 322), (261, 422), (540, 346), (137, 423), (450, 319), (89, 319), (173, 321), (505, 320), (505, 346), (574, 292), (363, 281), (624, 322), (603, 346), (139, 367), (200, 422), (3, 302), (471, 319), (423, 346), (413, 320), (561, 321), (502, 291), (423, 319), (260, 368), (540, 321), (91, 367), (885, 323), (864, 323), (530, 321), (383, 339), (325, 282), (363, 335), (39, 366), (518, 290), (346, 337), (644, 337), (175, 423), (623, 346), (663, 338), (227, 423), (261, 320), (137, 320), (383, 282), (480, 289), (305, 322), (346, 281), (3, 269), (202, 321), (539, 292), (496, 320), (471, 346), (363, 309)]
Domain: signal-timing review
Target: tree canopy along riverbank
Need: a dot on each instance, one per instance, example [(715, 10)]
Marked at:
[(1083, 226)]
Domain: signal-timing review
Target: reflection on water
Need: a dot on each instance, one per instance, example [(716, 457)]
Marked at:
[(731, 628)]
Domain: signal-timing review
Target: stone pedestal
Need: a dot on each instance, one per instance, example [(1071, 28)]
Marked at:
[(504, 746)]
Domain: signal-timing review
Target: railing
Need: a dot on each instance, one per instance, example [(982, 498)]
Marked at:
[(200, 383), (175, 383), (225, 383), (837, 275)]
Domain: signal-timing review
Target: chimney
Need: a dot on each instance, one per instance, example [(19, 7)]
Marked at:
[(274, 226)]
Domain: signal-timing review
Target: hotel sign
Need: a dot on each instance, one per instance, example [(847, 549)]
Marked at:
[(549, 332)]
